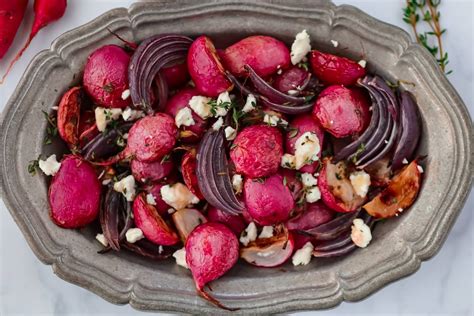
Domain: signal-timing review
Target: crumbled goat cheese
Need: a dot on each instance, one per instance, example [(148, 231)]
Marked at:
[(230, 133), (50, 166), (250, 104), (178, 196), (267, 232), (288, 161), (55, 108), (313, 195), (184, 117), (200, 106), (218, 124), (150, 199), (223, 103), (420, 168), (104, 116), (126, 186), (334, 43), (133, 235), (126, 94), (308, 180), (271, 120), (300, 47), (171, 210), (360, 181), (362, 63), (307, 148), (303, 255), (405, 161), (180, 256), (293, 92), (130, 114), (106, 181), (249, 234), (360, 235), (101, 238), (237, 183)]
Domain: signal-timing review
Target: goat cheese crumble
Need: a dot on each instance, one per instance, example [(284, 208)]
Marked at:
[(303, 255), (249, 234), (300, 47), (184, 117), (313, 194), (200, 106), (360, 234), (130, 114), (307, 148), (267, 232), (133, 235), (50, 166), (237, 183), (223, 103), (308, 180), (334, 43), (180, 256), (230, 133), (125, 94), (362, 63), (218, 124), (178, 196), (360, 181), (126, 186), (288, 161), (104, 116), (101, 238), (150, 199), (250, 104)]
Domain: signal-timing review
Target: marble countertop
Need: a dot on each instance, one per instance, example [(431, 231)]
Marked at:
[(443, 285)]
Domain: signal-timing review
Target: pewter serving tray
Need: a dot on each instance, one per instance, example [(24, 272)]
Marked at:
[(399, 245)]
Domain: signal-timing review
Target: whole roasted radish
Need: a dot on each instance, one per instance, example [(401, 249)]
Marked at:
[(74, 193), (335, 70), (212, 249)]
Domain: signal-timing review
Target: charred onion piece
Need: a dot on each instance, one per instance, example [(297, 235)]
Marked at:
[(149, 58), (410, 130), (105, 144), (148, 249), (213, 173), (340, 246), (272, 94), (284, 108), (332, 229), (109, 217)]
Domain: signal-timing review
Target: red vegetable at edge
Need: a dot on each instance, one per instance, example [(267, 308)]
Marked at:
[(46, 12), (11, 15)]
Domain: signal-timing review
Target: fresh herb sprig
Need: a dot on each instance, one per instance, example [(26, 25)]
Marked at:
[(52, 129), (428, 12)]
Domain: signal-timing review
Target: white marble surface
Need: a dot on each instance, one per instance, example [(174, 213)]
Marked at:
[(443, 285)]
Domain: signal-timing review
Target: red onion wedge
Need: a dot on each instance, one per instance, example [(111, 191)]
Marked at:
[(213, 173), (149, 58), (410, 130)]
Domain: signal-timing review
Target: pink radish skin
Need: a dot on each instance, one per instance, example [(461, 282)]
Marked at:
[(316, 214), (234, 222), (270, 202), (342, 111), (332, 69), (176, 75), (149, 139), (212, 249), (74, 193), (161, 206), (265, 54), (11, 15), (151, 223), (106, 76), (257, 151), (291, 79), (180, 100), (206, 69), (300, 240), (151, 171), (46, 12)]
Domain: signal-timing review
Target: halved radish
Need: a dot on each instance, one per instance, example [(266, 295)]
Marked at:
[(188, 170), (399, 195), (269, 252), (186, 220), (336, 188), (150, 222), (206, 69)]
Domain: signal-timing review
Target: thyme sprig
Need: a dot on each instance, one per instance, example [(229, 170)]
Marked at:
[(51, 129), (428, 12)]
